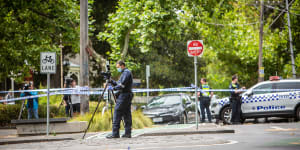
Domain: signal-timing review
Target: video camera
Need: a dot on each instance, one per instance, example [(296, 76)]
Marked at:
[(68, 81), (106, 74)]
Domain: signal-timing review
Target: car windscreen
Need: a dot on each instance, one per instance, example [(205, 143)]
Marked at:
[(164, 101)]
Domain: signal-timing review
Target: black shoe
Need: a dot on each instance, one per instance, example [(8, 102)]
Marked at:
[(126, 136), (112, 137)]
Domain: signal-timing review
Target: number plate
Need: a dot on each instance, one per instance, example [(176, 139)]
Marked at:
[(157, 119)]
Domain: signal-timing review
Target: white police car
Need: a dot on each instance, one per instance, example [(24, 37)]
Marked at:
[(265, 99)]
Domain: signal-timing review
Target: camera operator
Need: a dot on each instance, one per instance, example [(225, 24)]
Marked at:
[(67, 98), (32, 103), (123, 102)]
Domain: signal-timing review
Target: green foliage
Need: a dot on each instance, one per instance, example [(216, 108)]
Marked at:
[(103, 122), (11, 112), (30, 27), (159, 31)]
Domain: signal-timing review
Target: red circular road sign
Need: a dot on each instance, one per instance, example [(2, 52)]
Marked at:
[(195, 48)]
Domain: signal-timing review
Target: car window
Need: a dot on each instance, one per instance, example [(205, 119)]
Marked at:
[(163, 101), (287, 85), (265, 88)]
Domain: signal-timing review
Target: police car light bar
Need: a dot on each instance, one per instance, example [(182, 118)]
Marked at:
[(274, 78)]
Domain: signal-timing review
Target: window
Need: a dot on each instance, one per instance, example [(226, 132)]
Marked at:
[(288, 85), (263, 89)]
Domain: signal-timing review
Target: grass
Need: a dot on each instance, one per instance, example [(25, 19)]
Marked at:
[(104, 122)]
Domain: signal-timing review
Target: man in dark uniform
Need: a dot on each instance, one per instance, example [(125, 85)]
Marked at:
[(235, 100), (123, 103), (205, 98)]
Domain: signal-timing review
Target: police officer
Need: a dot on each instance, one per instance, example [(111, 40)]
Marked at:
[(235, 100), (205, 98), (123, 103)]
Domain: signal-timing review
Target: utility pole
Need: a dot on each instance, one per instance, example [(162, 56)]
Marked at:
[(61, 64), (261, 33), (84, 63), (290, 39)]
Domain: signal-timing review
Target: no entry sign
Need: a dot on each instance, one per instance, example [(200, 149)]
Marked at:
[(195, 48)]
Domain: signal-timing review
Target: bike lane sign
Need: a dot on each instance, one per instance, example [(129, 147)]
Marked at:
[(48, 62)]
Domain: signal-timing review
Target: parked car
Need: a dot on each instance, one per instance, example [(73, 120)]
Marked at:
[(265, 99), (170, 108)]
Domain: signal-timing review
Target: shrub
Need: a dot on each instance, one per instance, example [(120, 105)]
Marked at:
[(104, 122)]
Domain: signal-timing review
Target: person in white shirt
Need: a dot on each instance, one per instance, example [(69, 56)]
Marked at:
[(9, 96), (75, 98)]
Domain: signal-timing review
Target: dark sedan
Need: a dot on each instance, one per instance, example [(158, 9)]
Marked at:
[(170, 108)]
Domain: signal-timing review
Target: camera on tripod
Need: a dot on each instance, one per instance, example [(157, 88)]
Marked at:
[(68, 82), (106, 74)]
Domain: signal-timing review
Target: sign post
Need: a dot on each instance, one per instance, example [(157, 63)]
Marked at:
[(195, 48), (147, 79), (48, 66)]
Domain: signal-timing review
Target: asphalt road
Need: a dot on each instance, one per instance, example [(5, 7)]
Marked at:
[(278, 135)]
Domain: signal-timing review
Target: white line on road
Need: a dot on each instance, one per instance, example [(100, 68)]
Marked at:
[(190, 146)]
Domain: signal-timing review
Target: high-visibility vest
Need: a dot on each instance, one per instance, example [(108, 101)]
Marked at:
[(205, 87)]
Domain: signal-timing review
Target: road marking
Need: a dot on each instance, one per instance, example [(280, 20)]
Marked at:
[(138, 132), (190, 146), (275, 128)]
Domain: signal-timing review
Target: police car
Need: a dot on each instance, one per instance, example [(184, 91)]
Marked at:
[(265, 99)]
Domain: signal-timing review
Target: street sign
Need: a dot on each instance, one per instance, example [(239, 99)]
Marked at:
[(48, 66), (195, 48), (48, 62)]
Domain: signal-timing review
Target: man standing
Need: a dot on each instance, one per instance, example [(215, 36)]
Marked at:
[(123, 103), (75, 98), (32, 103), (235, 100), (205, 98), (9, 96)]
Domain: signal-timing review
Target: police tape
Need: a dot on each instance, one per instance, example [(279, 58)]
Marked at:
[(98, 91)]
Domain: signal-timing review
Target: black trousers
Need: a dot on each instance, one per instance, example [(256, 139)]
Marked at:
[(204, 106), (122, 110), (236, 110)]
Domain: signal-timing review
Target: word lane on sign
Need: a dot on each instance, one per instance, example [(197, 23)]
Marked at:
[(48, 62)]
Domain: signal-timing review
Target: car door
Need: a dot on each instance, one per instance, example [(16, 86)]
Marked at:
[(189, 107), (259, 99), (287, 99)]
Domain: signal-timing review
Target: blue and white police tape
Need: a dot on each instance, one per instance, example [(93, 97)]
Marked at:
[(98, 91)]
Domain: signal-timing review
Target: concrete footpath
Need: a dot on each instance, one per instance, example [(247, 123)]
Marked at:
[(9, 136)]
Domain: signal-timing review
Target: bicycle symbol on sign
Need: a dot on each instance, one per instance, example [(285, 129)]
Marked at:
[(48, 59)]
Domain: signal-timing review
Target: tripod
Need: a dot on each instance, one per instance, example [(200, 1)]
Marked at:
[(99, 100), (68, 103)]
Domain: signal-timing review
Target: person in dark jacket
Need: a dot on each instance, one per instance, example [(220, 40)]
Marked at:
[(235, 100), (123, 102)]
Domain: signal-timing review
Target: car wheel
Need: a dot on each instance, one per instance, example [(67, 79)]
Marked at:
[(226, 115), (298, 114), (183, 118)]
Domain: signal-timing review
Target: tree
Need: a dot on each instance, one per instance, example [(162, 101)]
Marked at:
[(30, 27)]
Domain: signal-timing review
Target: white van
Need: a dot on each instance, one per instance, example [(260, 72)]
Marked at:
[(279, 98)]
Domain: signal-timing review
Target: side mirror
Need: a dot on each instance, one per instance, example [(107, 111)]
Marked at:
[(249, 93), (188, 103), (143, 107)]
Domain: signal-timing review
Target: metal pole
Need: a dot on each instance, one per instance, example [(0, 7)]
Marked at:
[(12, 87), (48, 87), (147, 79), (61, 64), (291, 40), (84, 62), (196, 97), (261, 33)]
